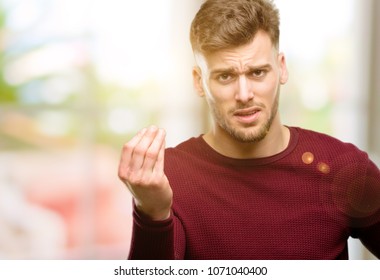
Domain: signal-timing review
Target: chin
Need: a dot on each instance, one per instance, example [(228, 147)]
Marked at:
[(245, 136)]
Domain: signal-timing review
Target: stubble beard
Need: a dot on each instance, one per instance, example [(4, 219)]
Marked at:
[(245, 134)]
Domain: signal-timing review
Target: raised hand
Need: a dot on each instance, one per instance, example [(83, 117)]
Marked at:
[(141, 168)]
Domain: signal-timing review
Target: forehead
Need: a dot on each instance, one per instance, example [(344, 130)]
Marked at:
[(258, 52)]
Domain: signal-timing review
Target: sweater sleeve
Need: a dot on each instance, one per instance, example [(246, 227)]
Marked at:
[(156, 240), (370, 235), (371, 239)]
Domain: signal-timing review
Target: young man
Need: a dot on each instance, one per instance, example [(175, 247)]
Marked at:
[(251, 188)]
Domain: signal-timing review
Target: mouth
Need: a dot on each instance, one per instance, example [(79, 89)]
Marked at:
[(248, 115)]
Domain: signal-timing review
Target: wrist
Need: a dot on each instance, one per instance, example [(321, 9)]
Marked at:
[(154, 215)]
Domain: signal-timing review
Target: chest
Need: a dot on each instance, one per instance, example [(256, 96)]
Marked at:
[(258, 214)]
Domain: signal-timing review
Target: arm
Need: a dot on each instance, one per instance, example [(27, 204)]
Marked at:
[(371, 240), (370, 235), (141, 169), (151, 239), (156, 240)]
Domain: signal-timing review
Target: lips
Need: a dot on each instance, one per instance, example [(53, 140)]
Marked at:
[(247, 111), (247, 115)]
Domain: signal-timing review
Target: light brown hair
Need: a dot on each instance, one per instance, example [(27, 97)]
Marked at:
[(223, 24)]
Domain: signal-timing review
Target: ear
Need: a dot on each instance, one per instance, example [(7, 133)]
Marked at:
[(197, 81), (284, 75)]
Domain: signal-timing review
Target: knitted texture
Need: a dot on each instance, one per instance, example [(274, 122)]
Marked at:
[(303, 203)]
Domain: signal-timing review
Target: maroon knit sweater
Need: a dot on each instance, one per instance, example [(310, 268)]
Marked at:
[(302, 203)]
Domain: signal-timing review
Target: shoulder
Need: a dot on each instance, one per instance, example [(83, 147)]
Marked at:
[(315, 136), (186, 146), (351, 179), (339, 156), (192, 147), (328, 145)]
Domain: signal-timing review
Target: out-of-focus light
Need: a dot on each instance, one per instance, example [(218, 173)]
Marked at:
[(315, 93), (121, 121), (306, 38), (58, 89), (55, 90), (307, 157), (323, 167), (23, 14), (45, 61), (53, 123), (132, 40)]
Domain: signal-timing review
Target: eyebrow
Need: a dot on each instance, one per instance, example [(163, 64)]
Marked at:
[(233, 70)]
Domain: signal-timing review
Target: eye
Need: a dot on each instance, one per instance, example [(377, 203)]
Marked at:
[(224, 77), (258, 73)]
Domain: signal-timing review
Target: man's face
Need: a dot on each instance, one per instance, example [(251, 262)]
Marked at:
[(242, 87)]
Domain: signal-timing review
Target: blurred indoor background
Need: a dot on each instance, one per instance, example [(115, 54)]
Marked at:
[(80, 77)]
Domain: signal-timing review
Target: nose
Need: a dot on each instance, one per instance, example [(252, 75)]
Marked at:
[(244, 91)]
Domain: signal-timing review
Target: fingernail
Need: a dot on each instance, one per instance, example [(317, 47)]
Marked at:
[(152, 128), (162, 131)]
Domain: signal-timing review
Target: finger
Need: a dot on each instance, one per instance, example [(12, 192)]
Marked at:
[(128, 148), (159, 166), (152, 153), (140, 151)]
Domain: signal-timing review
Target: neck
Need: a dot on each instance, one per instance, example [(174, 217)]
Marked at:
[(274, 142)]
